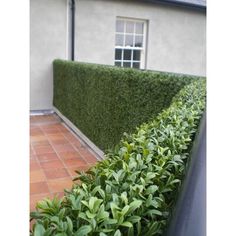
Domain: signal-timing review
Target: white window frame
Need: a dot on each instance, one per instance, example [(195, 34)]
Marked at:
[(142, 49)]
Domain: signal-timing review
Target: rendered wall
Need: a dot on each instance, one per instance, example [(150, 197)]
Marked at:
[(48, 40), (176, 36), (176, 39)]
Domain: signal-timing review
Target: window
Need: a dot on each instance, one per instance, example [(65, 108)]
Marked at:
[(130, 43)]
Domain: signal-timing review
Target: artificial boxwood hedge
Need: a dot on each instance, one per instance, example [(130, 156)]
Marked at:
[(105, 101), (132, 191)]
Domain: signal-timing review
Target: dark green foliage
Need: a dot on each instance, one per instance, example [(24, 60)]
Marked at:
[(133, 191), (105, 101)]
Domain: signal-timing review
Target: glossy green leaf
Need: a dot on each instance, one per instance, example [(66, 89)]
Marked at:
[(39, 230), (126, 224), (117, 233), (84, 230)]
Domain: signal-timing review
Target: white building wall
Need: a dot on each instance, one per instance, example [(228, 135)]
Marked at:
[(48, 40), (176, 36)]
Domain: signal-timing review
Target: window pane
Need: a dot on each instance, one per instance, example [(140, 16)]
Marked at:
[(117, 63), (136, 55), (139, 28), (129, 33), (138, 41), (129, 40), (136, 65), (120, 26), (129, 27), (127, 54), (119, 40), (118, 54), (127, 64)]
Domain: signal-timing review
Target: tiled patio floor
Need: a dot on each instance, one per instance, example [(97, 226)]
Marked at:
[(55, 153)]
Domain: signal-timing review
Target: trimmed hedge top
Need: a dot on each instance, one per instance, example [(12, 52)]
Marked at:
[(105, 101), (133, 191)]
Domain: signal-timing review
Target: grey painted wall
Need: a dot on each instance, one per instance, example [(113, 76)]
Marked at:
[(48, 40), (176, 39), (176, 36)]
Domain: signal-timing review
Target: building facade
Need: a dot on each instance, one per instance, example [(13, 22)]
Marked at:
[(139, 34)]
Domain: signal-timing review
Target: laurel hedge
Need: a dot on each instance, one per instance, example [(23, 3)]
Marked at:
[(106, 101), (131, 192)]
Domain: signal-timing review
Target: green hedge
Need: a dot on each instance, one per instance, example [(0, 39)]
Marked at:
[(133, 191), (105, 101)]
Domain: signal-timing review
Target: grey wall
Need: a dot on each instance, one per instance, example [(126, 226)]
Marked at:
[(48, 40), (176, 37)]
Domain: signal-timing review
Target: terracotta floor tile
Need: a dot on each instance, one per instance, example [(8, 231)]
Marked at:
[(37, 138), (62, 138), (56, 173), (53, 137), (59, 185), (38, 188), (51, 131), (69, 155), (32, 150), (88, 156), (40, 143), (59, 141), (47, 157), (78, 145), (34, 128), (34, 165), (55, 154), (37, 176), (45, 126), (71, 137), (33, 157), (48, 126), (36, 132), (80, 168), (64, 148), (57, 125), (43, 149), (47, 118), (74, 162), (63, 129), (54, 164), (91, 159)]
